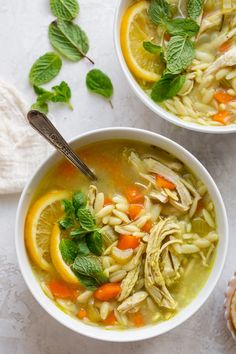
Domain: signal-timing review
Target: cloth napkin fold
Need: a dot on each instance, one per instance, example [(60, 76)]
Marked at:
[(21, 148)]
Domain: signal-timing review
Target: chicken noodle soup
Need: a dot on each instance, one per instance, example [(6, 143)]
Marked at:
[(131, 250), (183, 54)]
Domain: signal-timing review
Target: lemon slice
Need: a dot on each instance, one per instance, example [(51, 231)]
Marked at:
[(136, 28), (233, 310), (61, 267), (42, 216)]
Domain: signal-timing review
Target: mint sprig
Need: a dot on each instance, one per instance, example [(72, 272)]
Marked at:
[(60, 93)]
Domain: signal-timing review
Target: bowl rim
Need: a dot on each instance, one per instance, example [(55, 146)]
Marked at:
[(98, 332), (154, 107)]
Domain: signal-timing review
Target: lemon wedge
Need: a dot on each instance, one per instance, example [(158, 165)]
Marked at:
[(136, 28), (61, 267), (41, 218)]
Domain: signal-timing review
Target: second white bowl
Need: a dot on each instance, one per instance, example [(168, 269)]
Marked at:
[(122, 5)]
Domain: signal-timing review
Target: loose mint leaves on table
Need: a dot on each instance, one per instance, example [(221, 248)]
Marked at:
[(69, 40), (65, 9), (98, 82), (60, 93), (45, 69)]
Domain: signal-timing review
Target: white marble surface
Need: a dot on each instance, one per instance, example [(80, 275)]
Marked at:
[(24, 327)]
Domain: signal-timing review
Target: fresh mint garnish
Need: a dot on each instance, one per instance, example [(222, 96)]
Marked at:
[(89, 271), (167, 87), (179, 55), (95, 243), (66, 223), (181, 27), (194, 8), (151, 47), (83, 249), (79, 200), (86, 220), (159, 10), (69, 250)]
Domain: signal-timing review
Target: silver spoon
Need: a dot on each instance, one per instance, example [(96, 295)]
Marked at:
[(43, 126)]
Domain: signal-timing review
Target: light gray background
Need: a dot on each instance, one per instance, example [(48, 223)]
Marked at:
[(24, 327)]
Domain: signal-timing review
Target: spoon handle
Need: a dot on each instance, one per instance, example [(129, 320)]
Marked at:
[(42, 124)]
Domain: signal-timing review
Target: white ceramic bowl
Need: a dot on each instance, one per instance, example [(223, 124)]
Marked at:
[(133, 334), (122, 5)]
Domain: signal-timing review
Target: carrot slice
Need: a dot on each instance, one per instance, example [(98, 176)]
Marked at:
[(107, 201), (147, 227), (162, 182), (107, 291), (134, 211), (67, 169), (224, 47), (127, 241), (221, 116), (137, 319), (62, 290), (110, 320), (82, 313), (167, 37), (134, 195), (223, 97)]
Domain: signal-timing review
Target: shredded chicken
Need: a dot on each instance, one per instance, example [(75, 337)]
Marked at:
[(154, 280), (226, 59), (185, 198), (129, 282), (92, 193), (132, 301)]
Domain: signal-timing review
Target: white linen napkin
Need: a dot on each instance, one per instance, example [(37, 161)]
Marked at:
[(21, 148)]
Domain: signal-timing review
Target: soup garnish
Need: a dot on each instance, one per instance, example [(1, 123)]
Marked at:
[(182, 54), (132, 250)]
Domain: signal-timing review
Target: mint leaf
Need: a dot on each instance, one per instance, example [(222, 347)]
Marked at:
[(66, 223), (64, 9), (62, 93), (99, 83), (40, 91), (89, 269), (194, 8), (69, 250), (79, 200), (181, 27), (88, 282), (45, 69), (69, 40), (40, 106), (78, 233), (95, 243), (151, 47), (159, 10), (179, 55), (167, 87), (83, 249), (68, 207), (86, 219)]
